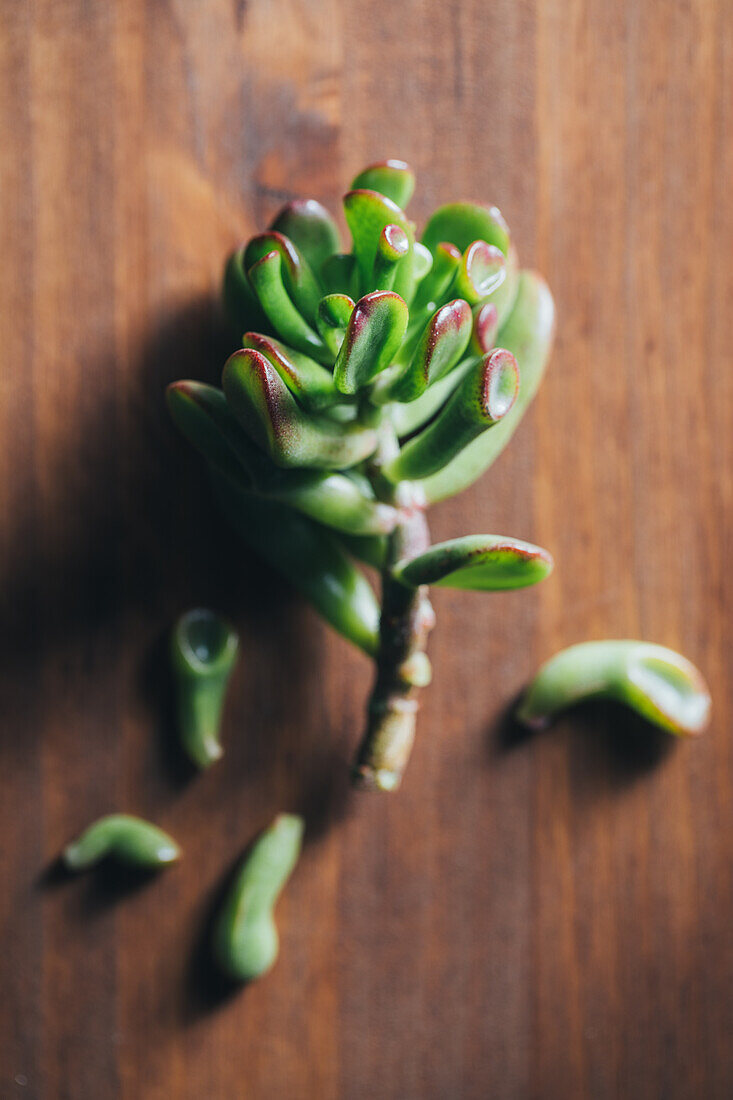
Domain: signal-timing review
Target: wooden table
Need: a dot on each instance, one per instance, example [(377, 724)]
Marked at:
[(548, 917)]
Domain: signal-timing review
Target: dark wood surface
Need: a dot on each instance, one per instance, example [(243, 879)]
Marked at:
[(545, 918)]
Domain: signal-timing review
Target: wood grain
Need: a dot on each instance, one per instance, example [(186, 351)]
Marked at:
[(540, 918)]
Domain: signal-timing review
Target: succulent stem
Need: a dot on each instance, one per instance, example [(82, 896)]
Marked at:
[(402, 665)]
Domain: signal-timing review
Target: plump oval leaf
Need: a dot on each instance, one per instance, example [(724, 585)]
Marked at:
[(656, 682), (309, 382), (480, 273), (464, 222), (340, 275), (241, 304), (441, 346), (392, 247), (485, 395), (367, 214), (393, 178), (485, 328), (300, 282), (266, 278), (310, 558), (268, 412), (311, 228), (373, 336), (486, 563), (528, 335)]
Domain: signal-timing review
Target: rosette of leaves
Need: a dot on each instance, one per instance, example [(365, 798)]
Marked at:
[(368, 385)]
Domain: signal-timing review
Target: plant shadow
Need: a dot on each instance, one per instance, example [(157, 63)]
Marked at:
[(126, 540), (609, 744)]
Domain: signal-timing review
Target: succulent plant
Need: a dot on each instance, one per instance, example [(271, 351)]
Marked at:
[(369, 385)]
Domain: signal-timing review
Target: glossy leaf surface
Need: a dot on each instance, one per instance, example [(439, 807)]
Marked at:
[(659, 684), (528, 335), (373, 335), (393, 178), (488, 563)]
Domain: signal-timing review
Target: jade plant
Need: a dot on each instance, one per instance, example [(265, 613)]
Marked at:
[(366, 386)]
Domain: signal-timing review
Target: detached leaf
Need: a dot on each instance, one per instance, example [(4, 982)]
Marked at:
[(487, 563), (311, 228), (367, 214), (267, 282), (269, 414), (485, 395), (373, 336), (659, 684), (300, 282), (392, 178), (464, 222)]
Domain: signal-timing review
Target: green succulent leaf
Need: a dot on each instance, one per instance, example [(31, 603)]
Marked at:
[(337, 500), (245, 941), (202, 415), (127, 839), (266, 277), (309, 558), (311, 229), (480, 273), (406, 419), (505, 295), (487, 563), (310, 383), (484, 396), (340, 275), (392, 247), (464, 222), (369, 549), (528, 335), (241, 304), (299, 280), (433, 290), (392, 178), (659, 684), (367, 215), (441, 346), (267, 410), (204, 650), (373, 336), (485, 328), (422, 259), (334, 311)]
